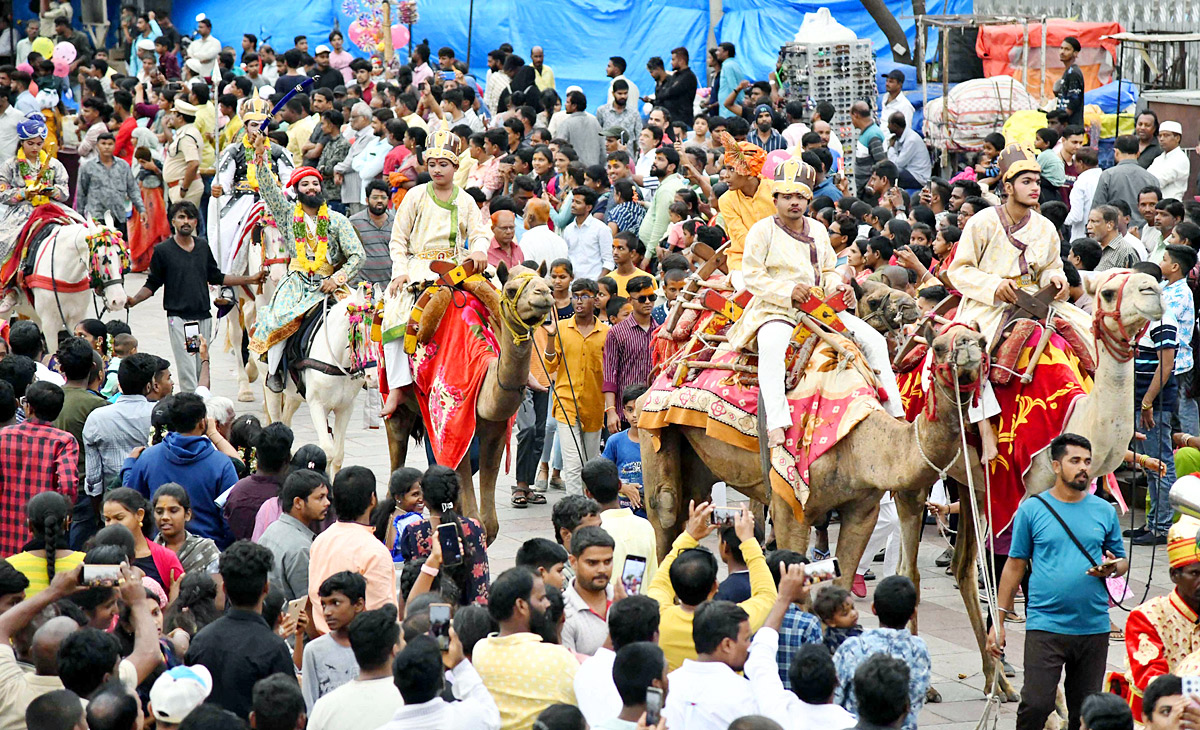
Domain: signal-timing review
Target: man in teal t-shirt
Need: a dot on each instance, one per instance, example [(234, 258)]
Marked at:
[(1067, 606)]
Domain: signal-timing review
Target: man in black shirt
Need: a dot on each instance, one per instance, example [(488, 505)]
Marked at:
[(184, 266), (680, 91), (239, 648), (1069, 89)]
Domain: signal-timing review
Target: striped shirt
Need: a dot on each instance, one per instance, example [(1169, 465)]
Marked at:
[(1161, 336), (377, 262), (627, 356), (627, 216)]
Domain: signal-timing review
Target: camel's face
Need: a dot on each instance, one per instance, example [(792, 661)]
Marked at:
[(529, 293), (1137, 298), (886, 309), (963, 349)]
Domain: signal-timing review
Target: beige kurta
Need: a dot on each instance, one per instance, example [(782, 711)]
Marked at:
[(985, 257), (425, 231), (774, 263)]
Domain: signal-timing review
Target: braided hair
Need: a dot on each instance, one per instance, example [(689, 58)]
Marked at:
[(243, 436), (48, 514), (441, 488), (195, 607)]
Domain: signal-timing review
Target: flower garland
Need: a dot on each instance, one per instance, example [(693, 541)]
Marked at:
[(36, 181), (101, 247), (300, 233)]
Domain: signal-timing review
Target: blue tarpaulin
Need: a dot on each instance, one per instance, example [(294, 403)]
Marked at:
[(759, 27), (578, 37)]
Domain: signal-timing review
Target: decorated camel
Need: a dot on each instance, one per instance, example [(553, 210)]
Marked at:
[(522, 304)]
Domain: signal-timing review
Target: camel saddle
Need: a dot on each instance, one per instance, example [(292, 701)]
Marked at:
[(1030, 315), (437, 295)]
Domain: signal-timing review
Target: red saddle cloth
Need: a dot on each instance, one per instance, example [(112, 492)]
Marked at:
[(448, 372), (42, 215)]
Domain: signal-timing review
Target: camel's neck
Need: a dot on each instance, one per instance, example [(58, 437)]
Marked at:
[(1104, 415), (504, 387)]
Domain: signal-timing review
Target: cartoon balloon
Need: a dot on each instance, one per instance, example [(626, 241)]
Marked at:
[(358, 35), (399, 36), (774, 160), (43, 47), (65, 51), (61, 68)]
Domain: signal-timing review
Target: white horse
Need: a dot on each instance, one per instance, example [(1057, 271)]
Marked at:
[(74, 263), (328, 393), (265, 253)]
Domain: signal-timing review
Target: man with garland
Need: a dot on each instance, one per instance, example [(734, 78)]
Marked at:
[(1162, 634), (237, 183), (437, 221), (324, 249)]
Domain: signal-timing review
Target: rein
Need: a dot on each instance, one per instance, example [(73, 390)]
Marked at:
[(946, 375), (1121, 347)]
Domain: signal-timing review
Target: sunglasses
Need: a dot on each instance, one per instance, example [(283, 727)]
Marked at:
[(643, 299)]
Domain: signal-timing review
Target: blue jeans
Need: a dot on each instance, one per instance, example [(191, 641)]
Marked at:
[(1158, 446), (1188, 413)]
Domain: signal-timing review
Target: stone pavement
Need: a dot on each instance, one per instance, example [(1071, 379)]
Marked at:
[(942, 617)]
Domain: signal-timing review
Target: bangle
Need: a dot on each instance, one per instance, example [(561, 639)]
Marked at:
[(204, 362), (431, 572), (610, 408), (1147, 407)]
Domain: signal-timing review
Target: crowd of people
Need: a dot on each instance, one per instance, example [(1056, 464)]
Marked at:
[(169, 561)]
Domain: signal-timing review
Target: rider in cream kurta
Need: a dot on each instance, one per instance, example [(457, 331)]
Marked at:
[(427, 228)]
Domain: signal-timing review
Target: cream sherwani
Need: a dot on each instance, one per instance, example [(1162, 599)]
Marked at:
[(426, 230), (985, 256)]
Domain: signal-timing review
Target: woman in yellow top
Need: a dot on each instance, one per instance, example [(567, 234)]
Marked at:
[(49, 517)]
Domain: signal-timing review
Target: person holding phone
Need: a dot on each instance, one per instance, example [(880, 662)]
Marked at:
[(469, 567)]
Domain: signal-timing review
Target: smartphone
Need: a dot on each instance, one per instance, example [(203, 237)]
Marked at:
[(451, 549), (101, 574), (447, 76), (822, 570), (191, 336), (654, 703), (439, 624), (1191, 685), (632, 573), (724, 516), (295, 607)]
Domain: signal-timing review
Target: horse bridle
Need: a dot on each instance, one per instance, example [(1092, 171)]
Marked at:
[(1122, 347), (517, 328)]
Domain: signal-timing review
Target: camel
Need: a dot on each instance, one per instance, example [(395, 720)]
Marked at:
[(525, 301), (74, 264)]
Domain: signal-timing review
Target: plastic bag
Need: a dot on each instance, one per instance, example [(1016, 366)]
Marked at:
[(820, 27)]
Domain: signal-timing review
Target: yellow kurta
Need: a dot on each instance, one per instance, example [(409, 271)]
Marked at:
[(985, 257), (423, 233), (773, 264), (740, 214)]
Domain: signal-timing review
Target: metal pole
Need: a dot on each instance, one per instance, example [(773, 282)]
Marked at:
[(1025, 54), (946, 94), (1045, 49), (1120, 79), (922, 30), (470, 28)]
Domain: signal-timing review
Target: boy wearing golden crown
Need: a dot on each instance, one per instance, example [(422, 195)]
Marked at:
[(325, 252), (437, 221)]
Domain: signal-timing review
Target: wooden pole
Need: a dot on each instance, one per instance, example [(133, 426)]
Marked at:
[(388, 51)]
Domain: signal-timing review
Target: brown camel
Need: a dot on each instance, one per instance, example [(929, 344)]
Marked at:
[(525, 303)]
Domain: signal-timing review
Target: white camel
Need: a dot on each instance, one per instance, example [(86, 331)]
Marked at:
[(327, 394), (74, 264)]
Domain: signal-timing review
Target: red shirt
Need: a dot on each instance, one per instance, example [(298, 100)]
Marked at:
[(35, 457), (124, 141), (393, 159)]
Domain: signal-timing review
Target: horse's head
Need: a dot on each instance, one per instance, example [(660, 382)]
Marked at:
[(272, 254), (959, 358), (1126, 302), (107, 264), (525, 298), (884, 308)]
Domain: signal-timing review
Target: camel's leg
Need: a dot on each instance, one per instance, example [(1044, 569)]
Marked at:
[(966, 575), (858, 520), (491, 451), (468, 504), (662, 478), (399, 427), (910, 510), (790, 533)]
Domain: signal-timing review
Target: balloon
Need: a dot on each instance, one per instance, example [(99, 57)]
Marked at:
[(26, 68), (61, 68), (647, 108), (379, 46), (43, 47), (774, 160), (358, 34), (33, 88), (65, 51), (399, 36)]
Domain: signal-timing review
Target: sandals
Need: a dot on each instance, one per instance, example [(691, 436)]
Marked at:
[(1116, 635), (522, 497)]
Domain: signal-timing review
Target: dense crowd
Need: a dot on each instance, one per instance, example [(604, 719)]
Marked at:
[(170, 562)]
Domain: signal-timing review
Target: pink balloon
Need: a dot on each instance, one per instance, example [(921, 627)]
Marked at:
[(26, 68), (61, 68), (399, 36), (33, 87), (65, 51), (358, 34), (774, 160)]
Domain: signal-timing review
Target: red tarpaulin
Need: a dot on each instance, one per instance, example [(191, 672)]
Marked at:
[(1000, 48)]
